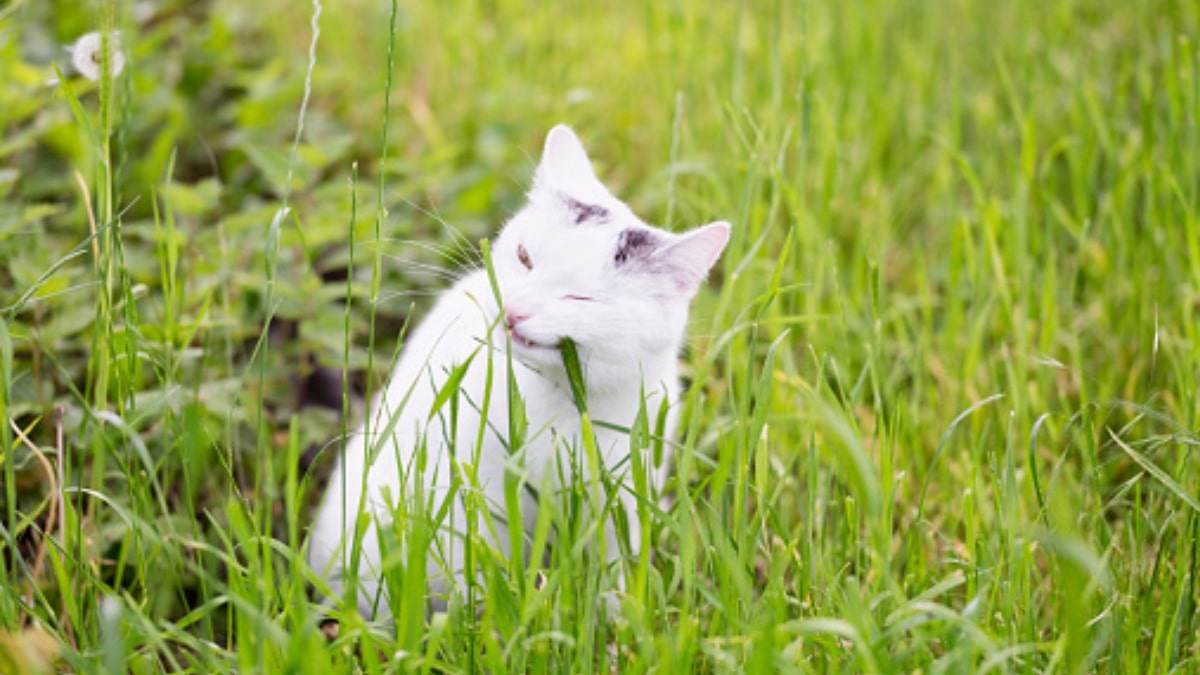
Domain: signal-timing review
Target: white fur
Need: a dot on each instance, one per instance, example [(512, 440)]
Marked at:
[(627, 320)]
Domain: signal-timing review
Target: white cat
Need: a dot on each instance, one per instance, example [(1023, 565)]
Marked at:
[(574, 263)]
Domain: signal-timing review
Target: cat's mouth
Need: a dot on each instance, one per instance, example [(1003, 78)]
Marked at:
[(526, 343)]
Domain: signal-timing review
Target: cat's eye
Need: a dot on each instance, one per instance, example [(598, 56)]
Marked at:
[(523, 257)]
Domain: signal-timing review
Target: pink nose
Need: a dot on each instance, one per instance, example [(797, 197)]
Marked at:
[(512, 317)]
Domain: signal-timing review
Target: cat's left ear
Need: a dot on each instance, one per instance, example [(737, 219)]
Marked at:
[(565, 166), (688, 258)]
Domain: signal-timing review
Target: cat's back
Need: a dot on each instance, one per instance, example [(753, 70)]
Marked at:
[(456, 326)]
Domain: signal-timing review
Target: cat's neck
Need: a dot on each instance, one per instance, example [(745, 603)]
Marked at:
[(617, 397)]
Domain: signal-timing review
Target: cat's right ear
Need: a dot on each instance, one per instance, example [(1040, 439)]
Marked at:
[(565, 166), (688, 259)]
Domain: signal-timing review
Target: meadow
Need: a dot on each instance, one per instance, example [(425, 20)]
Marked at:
[(943, 412)]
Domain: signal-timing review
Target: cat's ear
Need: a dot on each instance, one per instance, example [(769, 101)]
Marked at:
[(565, 166), (687, 259)]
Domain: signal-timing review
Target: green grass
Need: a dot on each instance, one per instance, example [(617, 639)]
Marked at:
[(943, 411)]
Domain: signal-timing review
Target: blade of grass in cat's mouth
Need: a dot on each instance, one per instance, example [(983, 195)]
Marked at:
[(570, 359)]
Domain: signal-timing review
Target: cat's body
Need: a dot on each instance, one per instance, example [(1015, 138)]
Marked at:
[(574, 263)]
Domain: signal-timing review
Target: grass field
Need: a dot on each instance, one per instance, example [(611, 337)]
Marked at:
[(943, 413)]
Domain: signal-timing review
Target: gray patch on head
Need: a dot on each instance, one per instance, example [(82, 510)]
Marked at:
[(582, 212), (633, 244)]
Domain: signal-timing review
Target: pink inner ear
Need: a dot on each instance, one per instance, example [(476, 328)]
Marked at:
[(564, 157), (565, 168), (692, 256)]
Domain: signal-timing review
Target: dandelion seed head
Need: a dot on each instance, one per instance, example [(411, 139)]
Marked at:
[(87, 54)]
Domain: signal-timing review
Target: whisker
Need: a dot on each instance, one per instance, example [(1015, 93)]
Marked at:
[(428, 273), (433, 271), (436, 216), (464, 246), (412, 293), (444, 252)]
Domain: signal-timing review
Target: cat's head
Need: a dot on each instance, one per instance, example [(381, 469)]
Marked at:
[(576, 263)]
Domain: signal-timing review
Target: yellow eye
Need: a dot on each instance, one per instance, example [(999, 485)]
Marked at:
[(523, 256)]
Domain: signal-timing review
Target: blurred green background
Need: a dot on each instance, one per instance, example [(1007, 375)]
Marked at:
[(972, 226)]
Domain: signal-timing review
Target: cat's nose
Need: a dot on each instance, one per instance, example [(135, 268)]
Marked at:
[(512, 317)]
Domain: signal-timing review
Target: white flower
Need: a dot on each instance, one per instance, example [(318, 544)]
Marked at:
[(86, 55)]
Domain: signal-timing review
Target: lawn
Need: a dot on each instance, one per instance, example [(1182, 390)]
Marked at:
[(942, 415)]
